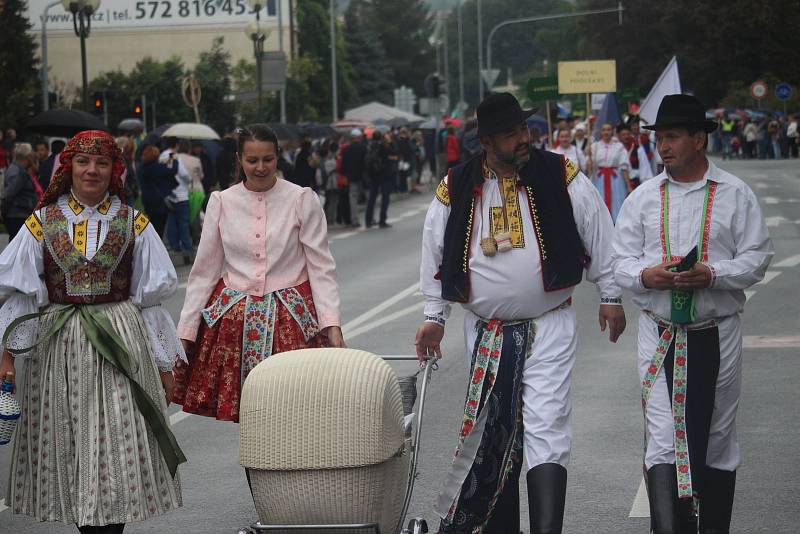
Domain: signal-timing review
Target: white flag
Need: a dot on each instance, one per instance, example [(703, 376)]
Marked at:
[(669, 83)]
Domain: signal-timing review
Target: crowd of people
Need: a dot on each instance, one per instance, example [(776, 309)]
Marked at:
[(762, 137), (511, 230)]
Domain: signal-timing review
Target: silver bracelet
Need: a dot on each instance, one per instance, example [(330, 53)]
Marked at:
[(435, 319)]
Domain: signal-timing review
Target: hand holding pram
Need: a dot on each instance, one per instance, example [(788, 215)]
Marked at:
[(428, 341)]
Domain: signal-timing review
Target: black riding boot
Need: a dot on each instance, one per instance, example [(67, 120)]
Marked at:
[(716, 501), (547, 490), (662, 492), (88, 529)]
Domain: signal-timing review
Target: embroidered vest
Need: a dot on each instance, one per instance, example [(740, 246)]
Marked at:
[(545, 180), (71, 278)]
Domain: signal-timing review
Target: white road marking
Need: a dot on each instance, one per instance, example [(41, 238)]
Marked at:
[(769, 277), (775, 200), (748, 294), (177, 417), (641, 506), (791, 261), (3, 506), (348, 335), (770, 342), (776, 221), (182, 285), (351, 233), (369, 314), (761, 186)]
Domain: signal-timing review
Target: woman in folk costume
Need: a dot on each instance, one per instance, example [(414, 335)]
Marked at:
[(264, 281), (610, 170), (568, 150), (85, 282)]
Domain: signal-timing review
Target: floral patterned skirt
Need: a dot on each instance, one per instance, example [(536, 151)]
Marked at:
[(210, 384), (83, 452)]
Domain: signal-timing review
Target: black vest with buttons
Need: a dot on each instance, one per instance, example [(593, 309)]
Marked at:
[(545, 180)]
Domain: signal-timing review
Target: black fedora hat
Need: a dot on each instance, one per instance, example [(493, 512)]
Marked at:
[(682, 111), (500, 111)]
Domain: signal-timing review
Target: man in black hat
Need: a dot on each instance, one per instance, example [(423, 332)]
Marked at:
[(508, 236), (688, 243)]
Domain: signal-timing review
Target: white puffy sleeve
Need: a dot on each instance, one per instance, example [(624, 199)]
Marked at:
[(597, 233), (21, 284), (155, 280), (621, 157), (436, 308)]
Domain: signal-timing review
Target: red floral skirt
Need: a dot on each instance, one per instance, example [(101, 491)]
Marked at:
[(210, 384)]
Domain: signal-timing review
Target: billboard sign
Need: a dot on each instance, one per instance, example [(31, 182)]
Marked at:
[(147, 14), (587, 77)]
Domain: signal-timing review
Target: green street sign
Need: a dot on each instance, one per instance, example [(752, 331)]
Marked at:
[(541, 89), (629, 95)]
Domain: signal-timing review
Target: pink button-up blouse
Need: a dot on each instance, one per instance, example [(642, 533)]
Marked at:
[(260, 242)]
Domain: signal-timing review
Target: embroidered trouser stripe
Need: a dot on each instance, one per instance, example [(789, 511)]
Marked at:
[(692, 401)]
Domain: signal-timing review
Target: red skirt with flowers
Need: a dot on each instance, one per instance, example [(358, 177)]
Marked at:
[(210, 384)]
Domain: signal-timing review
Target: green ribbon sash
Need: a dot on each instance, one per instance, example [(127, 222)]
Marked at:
[(682, 309), (101, 334)]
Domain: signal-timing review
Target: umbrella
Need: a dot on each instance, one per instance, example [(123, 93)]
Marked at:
[(349, 124), (316, 131), (190, 130), (64, 122), (432, 124), (129, 125), (154, 137), (285, 132), (539, 122), (383, 128)]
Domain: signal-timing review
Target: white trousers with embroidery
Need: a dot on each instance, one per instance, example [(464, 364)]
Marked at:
[(723, 446), (546, 382)]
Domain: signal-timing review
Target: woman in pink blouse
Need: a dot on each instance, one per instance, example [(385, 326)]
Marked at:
[(264, 281)]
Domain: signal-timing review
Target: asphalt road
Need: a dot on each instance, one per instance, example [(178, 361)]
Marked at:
[(378, 272)]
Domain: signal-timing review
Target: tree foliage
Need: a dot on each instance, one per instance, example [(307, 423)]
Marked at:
[(372, 78), (719, 46), (404, 29), (213, 73), (313, 20), (19, 78), (522, 47)]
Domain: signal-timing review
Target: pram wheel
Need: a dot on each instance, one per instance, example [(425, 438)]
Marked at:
[(416, 526)]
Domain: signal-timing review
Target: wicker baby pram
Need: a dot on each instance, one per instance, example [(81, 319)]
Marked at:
[(326, 443)]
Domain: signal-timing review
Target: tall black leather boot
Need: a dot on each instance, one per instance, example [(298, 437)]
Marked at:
[(547, 490), (716, 501), (662, 492), (88, 529)]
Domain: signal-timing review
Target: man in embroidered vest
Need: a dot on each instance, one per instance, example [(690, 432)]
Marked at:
[(508, 236), (690, 338)]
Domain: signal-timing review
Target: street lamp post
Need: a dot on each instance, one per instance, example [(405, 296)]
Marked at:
[(82, 11), (45, 86), (334, 77), (258, 34)]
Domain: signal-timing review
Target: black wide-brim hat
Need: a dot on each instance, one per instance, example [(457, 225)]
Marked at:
[(682, 111), (500, 111)]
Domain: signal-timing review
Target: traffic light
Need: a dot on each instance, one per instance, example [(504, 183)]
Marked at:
[(137, 107), (99, 102)]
